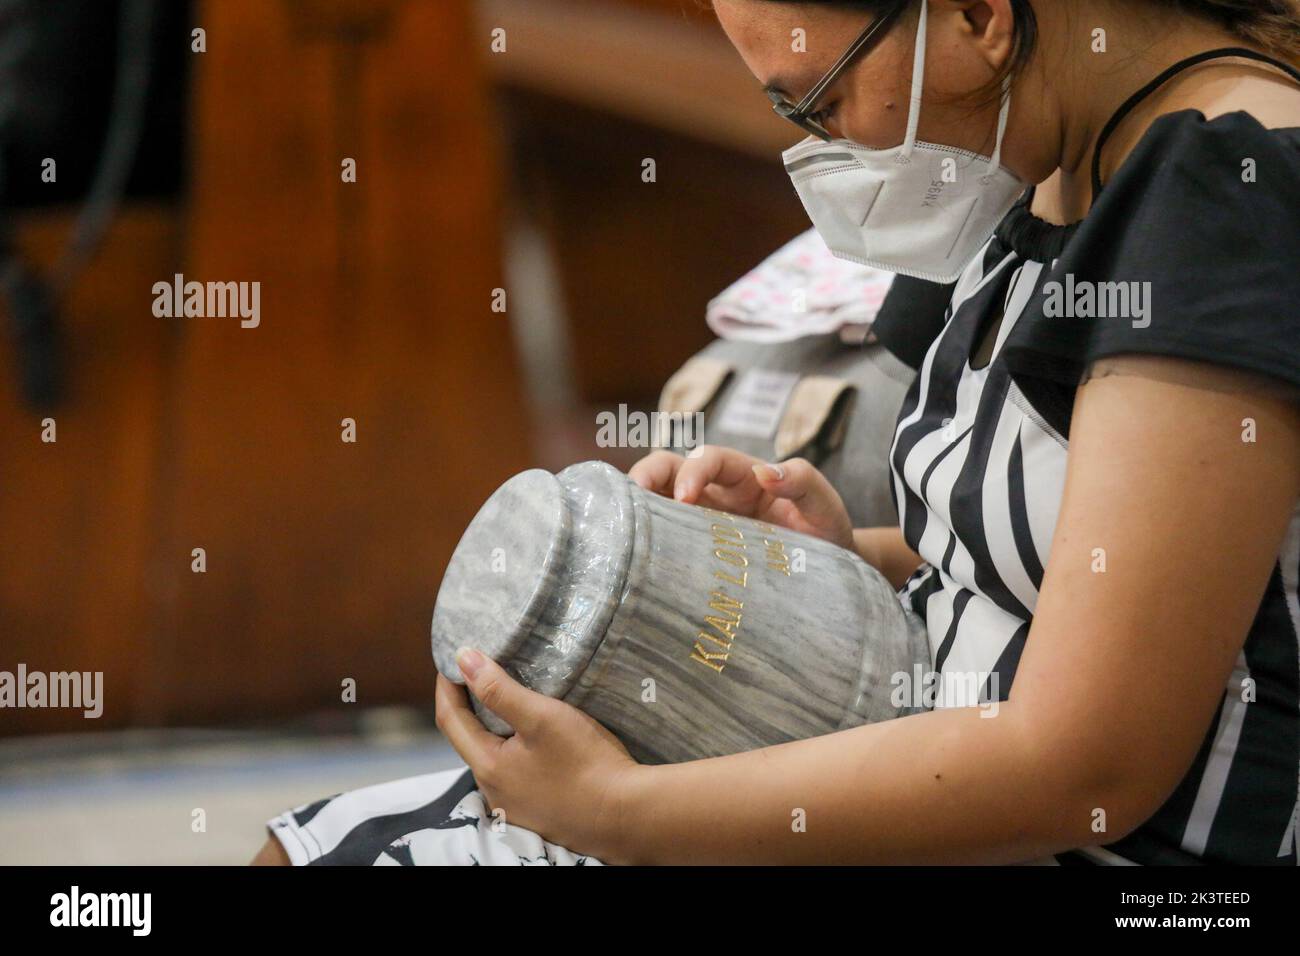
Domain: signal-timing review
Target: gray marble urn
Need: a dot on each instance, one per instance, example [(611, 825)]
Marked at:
[(687, 632)]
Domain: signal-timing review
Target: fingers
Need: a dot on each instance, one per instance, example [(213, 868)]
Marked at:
[(793, 493), (521, 708), (710, 464), (656, 472), (459, 724), (800, 482)]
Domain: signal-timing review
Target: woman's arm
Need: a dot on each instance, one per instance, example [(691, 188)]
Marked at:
[(886, 551), (1114, 692), (1119, 681)]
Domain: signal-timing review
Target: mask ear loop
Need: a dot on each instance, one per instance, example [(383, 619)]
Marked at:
[(918, 82), (996, 160)]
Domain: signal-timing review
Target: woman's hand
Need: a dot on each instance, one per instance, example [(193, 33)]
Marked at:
[(559, 775), (793, 494)]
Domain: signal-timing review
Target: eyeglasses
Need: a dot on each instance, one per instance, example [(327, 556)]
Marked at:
[(802, 114)]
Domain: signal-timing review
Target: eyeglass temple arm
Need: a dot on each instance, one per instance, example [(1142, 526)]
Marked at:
[(833, 73)]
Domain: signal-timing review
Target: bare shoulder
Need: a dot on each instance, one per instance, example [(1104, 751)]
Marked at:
[(1220, 87)]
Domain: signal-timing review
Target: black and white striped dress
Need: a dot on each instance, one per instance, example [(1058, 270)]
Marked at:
[(979, 454)]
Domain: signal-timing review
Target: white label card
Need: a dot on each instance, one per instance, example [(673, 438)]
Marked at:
[(755, 407)]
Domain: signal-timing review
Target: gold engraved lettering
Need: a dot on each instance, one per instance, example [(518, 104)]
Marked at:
[(724, 536), (725, 604), (715, 661), (734, 558), (777, 560), (724, 626), (739, 582), (705, 635)]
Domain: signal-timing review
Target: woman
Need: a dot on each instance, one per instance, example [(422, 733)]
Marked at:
[(1097, 470)]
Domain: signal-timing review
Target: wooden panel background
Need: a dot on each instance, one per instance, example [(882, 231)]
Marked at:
[(323, 558), (77, 515)]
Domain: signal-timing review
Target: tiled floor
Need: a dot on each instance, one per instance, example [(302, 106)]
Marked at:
[(130, 798)]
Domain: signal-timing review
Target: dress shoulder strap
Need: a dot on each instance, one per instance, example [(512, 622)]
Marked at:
[(1179, 67)]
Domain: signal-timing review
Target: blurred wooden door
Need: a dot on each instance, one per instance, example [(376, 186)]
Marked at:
[(322, 556), (77, 526)]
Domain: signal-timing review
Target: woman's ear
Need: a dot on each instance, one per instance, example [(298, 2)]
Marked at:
[(991, 26)]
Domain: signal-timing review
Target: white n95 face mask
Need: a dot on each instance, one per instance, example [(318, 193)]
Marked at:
[(918, 209)]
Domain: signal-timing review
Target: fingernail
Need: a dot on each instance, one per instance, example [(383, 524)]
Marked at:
[(695, 452), (469, 661), (770, 472)]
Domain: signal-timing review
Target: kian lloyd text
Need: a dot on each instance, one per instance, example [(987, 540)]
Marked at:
[(215, 300)]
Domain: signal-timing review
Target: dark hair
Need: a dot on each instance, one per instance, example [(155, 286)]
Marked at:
[(1273, 25)]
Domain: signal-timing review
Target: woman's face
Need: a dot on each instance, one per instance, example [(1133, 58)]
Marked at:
[(967, 44)]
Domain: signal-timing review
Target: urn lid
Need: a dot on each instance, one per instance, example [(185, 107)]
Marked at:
[(537, 575), (499, 575)]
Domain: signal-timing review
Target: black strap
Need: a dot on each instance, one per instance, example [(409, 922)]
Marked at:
[(1159, 81)]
